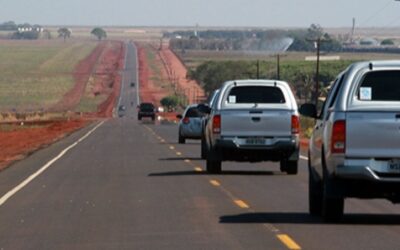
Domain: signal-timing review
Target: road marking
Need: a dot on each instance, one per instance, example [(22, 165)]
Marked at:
[(178, 153), (215, 183), (241, 204), (187, 160), (288, 241), (197, 169), (303, 157), (28, 180), (162, 140), (171, 147)]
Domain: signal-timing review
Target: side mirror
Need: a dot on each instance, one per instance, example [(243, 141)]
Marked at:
[(308, 110), (204, 108), (179, 116)]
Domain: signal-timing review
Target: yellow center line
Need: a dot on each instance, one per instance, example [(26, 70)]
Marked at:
[(215, 183), (288, 241), (198, 169), (241, 204)]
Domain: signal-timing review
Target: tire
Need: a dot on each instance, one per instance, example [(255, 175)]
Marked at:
[(139, 118), (314, 195), (203, 148), (153, 118), (213, 166), (181, 139), (290, 167), (332, 205)]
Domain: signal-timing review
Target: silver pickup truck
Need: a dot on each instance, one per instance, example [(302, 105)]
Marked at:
[(253, 120), (354, 150)]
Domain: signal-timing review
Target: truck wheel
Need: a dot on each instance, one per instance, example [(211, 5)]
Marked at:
[(181, 139), (203, 149), (314, 195), (332, 205), (213, 167), (290, 167)]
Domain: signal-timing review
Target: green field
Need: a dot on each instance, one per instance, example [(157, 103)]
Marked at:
[(36, 74)]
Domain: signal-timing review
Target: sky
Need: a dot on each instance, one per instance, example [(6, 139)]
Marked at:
[(227, 13)]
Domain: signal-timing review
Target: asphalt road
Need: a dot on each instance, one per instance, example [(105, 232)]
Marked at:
[(129, 185)]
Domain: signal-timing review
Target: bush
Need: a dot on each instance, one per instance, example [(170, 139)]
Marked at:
[(170, 101)]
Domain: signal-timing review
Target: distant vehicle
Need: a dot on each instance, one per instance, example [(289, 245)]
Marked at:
[(354, 150), (132, 84), (253, 120), (204, 122), (121, 110), (190, 124), (146, 109)]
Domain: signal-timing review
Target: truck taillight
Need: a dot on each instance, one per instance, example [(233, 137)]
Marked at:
[(295, 124), (216, 125), (338, 144)]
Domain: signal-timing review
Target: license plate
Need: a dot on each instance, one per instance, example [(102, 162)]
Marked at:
[(394, 166), (255, 141)]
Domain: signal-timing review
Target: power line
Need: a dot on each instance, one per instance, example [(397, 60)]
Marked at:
[(377, 13)]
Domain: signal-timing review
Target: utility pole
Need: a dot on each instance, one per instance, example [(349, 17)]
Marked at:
[(317, 42)]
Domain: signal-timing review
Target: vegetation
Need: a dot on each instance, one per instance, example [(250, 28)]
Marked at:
[(170, 101), (300, 75), (99, 33), (387, 42), (258, 40), (36, 75), (64, 33)]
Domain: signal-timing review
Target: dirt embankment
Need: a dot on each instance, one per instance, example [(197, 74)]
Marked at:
[(171, 70), (19, 142)]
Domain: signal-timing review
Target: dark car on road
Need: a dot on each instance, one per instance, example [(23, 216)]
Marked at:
[(146, 109)]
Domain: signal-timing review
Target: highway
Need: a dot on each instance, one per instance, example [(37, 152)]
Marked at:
[(125, 184)]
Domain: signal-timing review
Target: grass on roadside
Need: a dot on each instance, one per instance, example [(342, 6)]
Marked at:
[(37, 74)]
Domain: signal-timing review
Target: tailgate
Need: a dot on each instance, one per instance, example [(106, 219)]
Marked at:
[(267, 123), (373, 134)]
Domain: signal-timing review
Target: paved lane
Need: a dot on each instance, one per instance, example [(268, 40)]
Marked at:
[(129, 185), (105, 193), (281, 201)]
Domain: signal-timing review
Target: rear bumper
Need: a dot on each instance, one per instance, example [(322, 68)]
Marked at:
[(229, 149), (368, 169)]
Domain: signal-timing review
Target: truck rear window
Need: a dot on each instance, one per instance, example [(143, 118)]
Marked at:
[(194, 112), (380, 86), (256, 94)]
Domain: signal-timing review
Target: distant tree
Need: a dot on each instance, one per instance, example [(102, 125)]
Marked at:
[(170, 101), (387, 42), (47, 34), (99, 33), (8, 26), (64, 33)]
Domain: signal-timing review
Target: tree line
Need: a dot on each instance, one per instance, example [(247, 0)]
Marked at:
[(251, 39), (300, 75)]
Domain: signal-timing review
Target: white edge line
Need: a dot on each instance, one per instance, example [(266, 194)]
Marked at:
[(12, 192)]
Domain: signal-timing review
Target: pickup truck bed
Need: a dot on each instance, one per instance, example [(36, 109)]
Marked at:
[(253, 120)]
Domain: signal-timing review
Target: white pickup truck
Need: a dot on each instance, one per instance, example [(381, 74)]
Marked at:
[(354, 150), (253, 120)]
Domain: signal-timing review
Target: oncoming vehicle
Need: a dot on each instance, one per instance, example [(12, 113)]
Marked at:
[(354, 150), (146, 109), (252, 121), (190, 124), (121, 110)]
